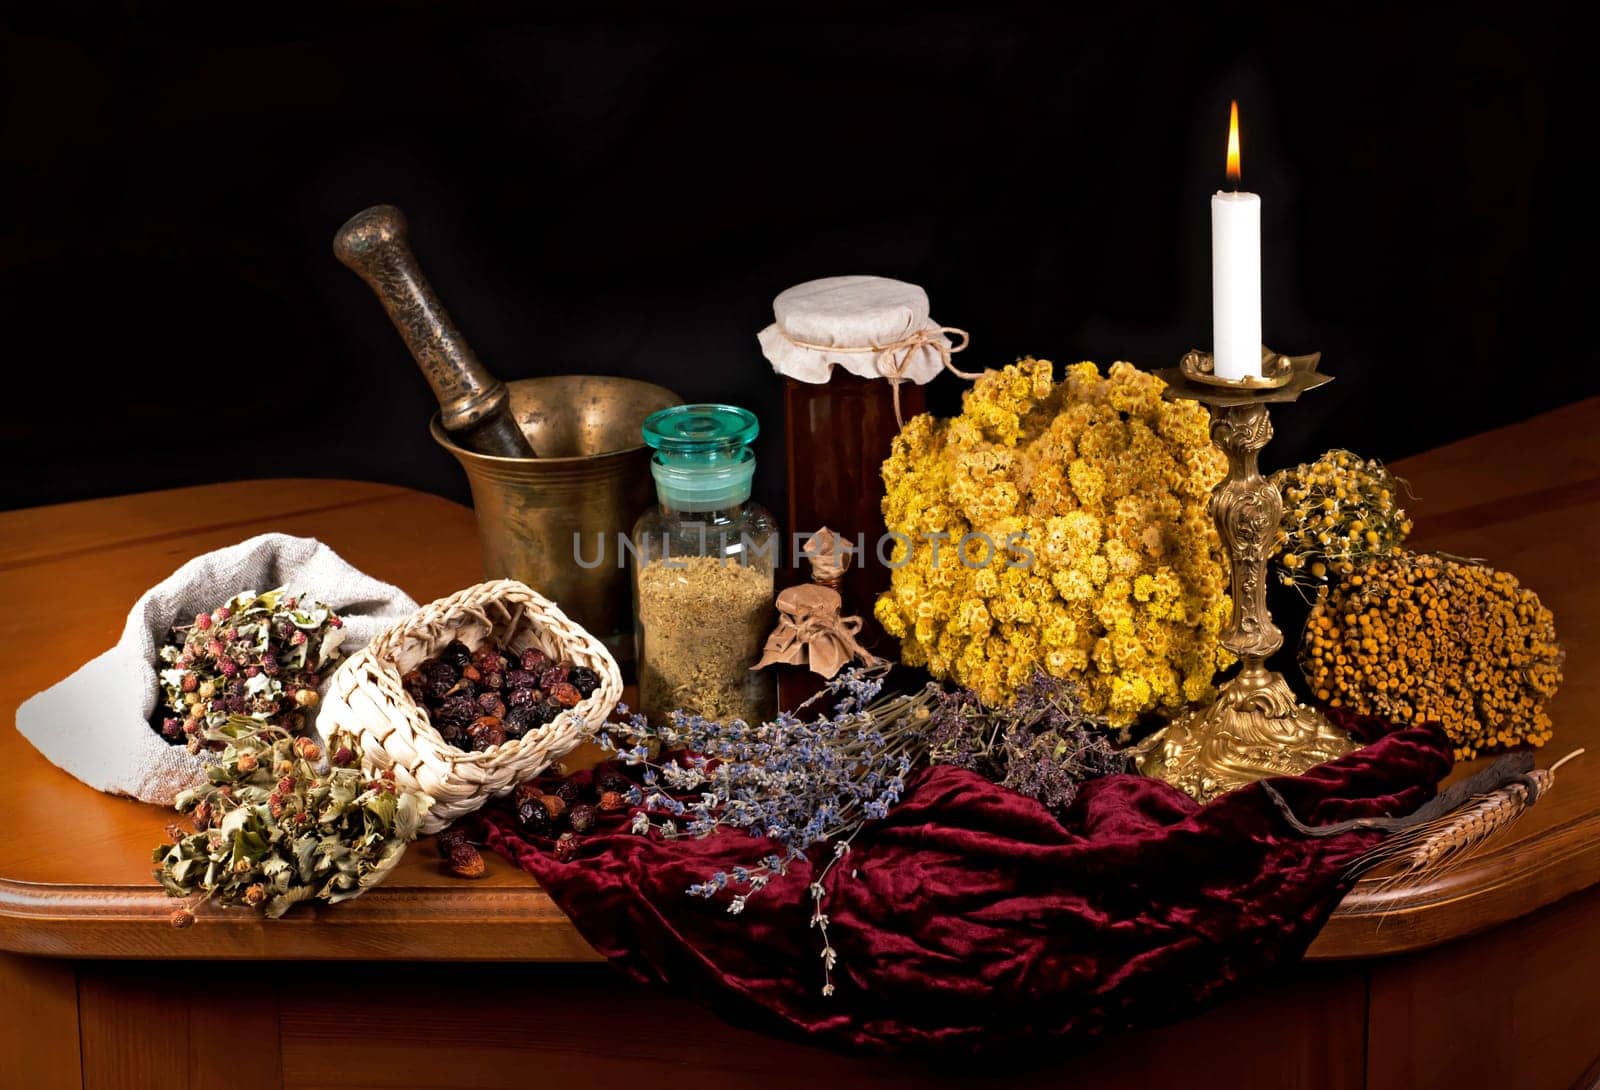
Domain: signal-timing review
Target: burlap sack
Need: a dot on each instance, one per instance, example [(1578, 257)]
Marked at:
[(95, 723)]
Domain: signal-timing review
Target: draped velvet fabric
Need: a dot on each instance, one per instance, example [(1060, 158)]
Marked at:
[(973, 917)]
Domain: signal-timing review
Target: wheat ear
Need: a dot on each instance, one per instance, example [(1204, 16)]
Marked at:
[(1428, 849)]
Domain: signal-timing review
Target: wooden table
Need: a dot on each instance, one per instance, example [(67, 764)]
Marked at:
[(384, 991)]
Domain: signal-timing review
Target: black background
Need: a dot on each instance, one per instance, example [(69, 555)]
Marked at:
[(623, 189)]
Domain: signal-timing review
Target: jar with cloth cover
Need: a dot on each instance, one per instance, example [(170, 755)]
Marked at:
[(854, 353)]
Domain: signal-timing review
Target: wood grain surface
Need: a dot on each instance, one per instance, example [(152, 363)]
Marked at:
[(74, 864), (39, 1031)]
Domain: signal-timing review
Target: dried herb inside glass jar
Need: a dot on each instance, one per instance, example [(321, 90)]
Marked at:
[(703, 569)]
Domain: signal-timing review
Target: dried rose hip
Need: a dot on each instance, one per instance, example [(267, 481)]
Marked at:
[(534, 819), (438, 678), (583, 679), (522, 679), (610, 778), (582, 817), (487, 732), (457, 654), (466, 861), (459, 711), (516, 722)]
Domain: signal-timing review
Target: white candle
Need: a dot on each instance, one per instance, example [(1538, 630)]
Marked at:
[(1235, 273)]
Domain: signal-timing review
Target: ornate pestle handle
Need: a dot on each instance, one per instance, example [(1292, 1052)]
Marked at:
[(473, 405)]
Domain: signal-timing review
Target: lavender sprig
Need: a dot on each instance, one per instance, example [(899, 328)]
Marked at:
[(798, 782), (1043, 744)]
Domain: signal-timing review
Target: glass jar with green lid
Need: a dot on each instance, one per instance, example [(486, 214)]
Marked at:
[(703, 562)]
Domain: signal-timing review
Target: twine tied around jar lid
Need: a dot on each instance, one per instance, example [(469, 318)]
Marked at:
[(894, 368), (870, 326)]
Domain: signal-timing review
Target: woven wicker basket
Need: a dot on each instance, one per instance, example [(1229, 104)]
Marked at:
[(366, 697)]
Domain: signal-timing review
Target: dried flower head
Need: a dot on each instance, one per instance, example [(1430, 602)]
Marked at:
[(1116, 577), (1416, 638), (1339, 512)]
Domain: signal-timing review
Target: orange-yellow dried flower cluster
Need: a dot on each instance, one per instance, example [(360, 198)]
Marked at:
[(1339, 512), (1417, 638), (1107, 568)]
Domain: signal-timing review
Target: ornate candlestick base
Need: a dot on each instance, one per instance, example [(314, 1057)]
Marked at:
[(1255, 728)]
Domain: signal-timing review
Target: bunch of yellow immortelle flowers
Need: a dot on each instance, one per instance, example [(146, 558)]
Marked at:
[(1063, 527)]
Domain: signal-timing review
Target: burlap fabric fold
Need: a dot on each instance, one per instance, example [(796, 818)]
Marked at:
[(95, 723)]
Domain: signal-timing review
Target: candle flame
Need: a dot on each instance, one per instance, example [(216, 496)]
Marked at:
[(1233, 142)]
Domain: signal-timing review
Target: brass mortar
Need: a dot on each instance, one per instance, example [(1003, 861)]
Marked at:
[(538, 516)]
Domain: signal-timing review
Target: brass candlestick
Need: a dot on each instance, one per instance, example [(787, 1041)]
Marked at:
[(1255, 728)]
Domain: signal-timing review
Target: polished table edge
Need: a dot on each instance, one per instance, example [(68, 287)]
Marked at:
[(413, 923), (512, 923), (1488, 889)]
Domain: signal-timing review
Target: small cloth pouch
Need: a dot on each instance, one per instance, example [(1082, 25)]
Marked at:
[(95, 724)]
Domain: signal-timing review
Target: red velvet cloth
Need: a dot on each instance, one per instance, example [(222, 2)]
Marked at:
[(973, 917)]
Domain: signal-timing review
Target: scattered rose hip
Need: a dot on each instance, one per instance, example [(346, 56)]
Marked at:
[(478, 699), (466, 861), (562, 812)]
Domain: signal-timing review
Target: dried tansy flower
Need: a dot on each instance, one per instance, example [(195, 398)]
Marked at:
[(1417, 638), (1105, 566), (272, 828), (256, 655), (1339, 512)]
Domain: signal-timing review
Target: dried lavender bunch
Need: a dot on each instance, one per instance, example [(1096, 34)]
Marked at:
[(798, 782), (257, 655), (1043, 744), (272, 828)]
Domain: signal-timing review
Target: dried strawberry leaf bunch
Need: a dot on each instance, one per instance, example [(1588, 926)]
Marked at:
[(273, 827), (484, 698), (257, 655)]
